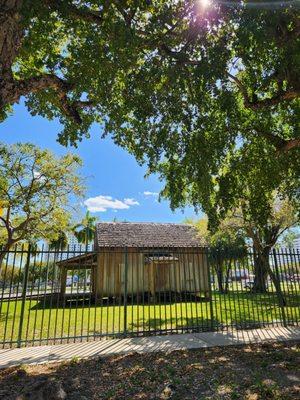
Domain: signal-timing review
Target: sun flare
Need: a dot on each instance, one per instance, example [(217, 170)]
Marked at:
[(205, 3)]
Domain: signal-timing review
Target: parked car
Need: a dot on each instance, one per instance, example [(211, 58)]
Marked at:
[(249, 284), (295, 278)]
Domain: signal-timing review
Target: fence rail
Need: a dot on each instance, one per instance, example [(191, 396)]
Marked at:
[(51, 297)]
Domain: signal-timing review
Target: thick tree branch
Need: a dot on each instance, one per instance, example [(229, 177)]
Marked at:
[(77, 13), (287, 95), (177, 55), (290, 144), (37, 83), (276, 141), (281, 145), (15, 89)]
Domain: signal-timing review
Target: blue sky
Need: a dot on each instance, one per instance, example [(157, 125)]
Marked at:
[(116, 186)]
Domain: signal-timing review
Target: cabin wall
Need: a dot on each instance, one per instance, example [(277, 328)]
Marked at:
[(189, 273), (193, 272), (110, 276)]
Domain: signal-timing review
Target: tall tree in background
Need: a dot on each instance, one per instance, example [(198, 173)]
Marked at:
[(289, 239), (283, 216), (206, 96), (243, 223), (85, 230), (35, 191), (226, 246)]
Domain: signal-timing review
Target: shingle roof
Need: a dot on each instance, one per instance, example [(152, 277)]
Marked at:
[(144, 234)]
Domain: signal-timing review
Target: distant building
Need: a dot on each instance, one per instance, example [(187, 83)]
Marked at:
[(75, 246), (297, 243)]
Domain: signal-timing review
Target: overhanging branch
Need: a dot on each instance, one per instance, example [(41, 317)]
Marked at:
[(78, 13), (17, 88), (281, 145), (255, 104)]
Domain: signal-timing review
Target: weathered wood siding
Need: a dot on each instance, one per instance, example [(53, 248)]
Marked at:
[(187, 273)]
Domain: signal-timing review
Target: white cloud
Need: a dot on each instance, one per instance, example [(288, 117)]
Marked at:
[(131, 202), (147, 193), (104, 203)]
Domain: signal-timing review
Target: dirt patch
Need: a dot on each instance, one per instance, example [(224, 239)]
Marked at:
[(266, 371)]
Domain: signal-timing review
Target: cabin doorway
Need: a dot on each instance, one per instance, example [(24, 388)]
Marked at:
[(162, 276)]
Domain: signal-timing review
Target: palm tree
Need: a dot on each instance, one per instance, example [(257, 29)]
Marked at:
[(60, 243), (85, 233), (85, 230)]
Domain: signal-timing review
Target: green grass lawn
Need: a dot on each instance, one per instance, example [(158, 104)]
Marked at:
[(55, 321)]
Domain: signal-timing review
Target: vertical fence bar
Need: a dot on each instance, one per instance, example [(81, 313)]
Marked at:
[(284, 260), (17, 294), (25, 281), (211, 308), (278, 290), (125, 291), (9, 300)]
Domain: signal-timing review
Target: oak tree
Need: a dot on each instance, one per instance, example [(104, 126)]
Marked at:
[(208, 97), (36, 189)]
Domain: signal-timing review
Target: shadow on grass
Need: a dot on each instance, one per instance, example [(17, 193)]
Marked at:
[(81, 300), (187, 323), (233, 300)]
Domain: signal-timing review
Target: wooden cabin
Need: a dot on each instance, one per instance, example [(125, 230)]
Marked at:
[(135, 258)]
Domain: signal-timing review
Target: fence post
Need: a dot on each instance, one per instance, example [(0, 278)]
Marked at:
[(24, 290), (278, 290), (125, 291), (211, 309)]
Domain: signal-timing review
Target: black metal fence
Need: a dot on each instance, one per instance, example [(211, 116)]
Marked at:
[(51, 297)]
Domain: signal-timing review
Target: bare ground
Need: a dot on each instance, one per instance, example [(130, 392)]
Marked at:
[(266, 371)]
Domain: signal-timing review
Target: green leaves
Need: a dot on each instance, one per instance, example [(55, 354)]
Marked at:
[(85, 230), (207, 98), (35, 191)]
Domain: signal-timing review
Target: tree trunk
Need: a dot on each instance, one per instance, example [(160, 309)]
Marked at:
[(228, 269), (261, 269), (11, 34), (3, 252), (276, 281), (220, 277)]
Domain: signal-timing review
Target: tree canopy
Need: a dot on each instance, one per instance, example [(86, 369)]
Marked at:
[(207, 96), (35, 191)]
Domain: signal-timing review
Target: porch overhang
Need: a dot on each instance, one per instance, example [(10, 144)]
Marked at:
[(81, 261)]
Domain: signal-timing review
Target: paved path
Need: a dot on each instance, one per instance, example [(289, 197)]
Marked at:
[(57, 353)]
